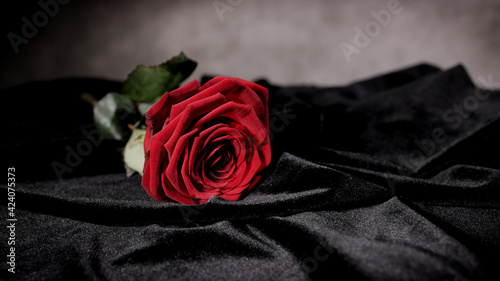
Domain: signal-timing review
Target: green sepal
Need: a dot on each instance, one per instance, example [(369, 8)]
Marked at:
[(144, 84)]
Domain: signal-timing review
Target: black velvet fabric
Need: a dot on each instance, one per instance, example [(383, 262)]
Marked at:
[(391, 178)]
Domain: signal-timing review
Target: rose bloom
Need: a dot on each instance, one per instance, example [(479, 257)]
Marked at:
[(203, 141)]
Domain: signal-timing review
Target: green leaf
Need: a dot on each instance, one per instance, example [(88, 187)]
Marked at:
[(144, 84), (112, 114), (133, 154)]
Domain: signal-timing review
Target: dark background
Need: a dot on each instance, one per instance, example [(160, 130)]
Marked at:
[(287, 42)]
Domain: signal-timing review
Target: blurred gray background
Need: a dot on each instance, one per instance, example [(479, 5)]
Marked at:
[(284, 41)]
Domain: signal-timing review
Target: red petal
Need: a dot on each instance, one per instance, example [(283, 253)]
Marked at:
[(159, 112)]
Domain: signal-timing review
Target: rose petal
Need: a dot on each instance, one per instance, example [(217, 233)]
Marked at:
[(240, 91), (173, 192), (209, 137), (212, 82), (240, 114), (200, 193), (177, 159), (152, 190), (236, 193), (159, 112), (196, 149), (191, 113)]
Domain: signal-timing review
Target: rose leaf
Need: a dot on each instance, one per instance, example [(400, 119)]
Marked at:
[(112, 114), (145, 83)]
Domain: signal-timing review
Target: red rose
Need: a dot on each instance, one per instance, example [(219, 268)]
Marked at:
[(203, 141)]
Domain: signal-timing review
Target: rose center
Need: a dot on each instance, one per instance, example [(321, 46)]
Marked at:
[(220, 164)]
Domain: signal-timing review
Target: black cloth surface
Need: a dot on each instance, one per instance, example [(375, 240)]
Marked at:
[(391, 178)]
